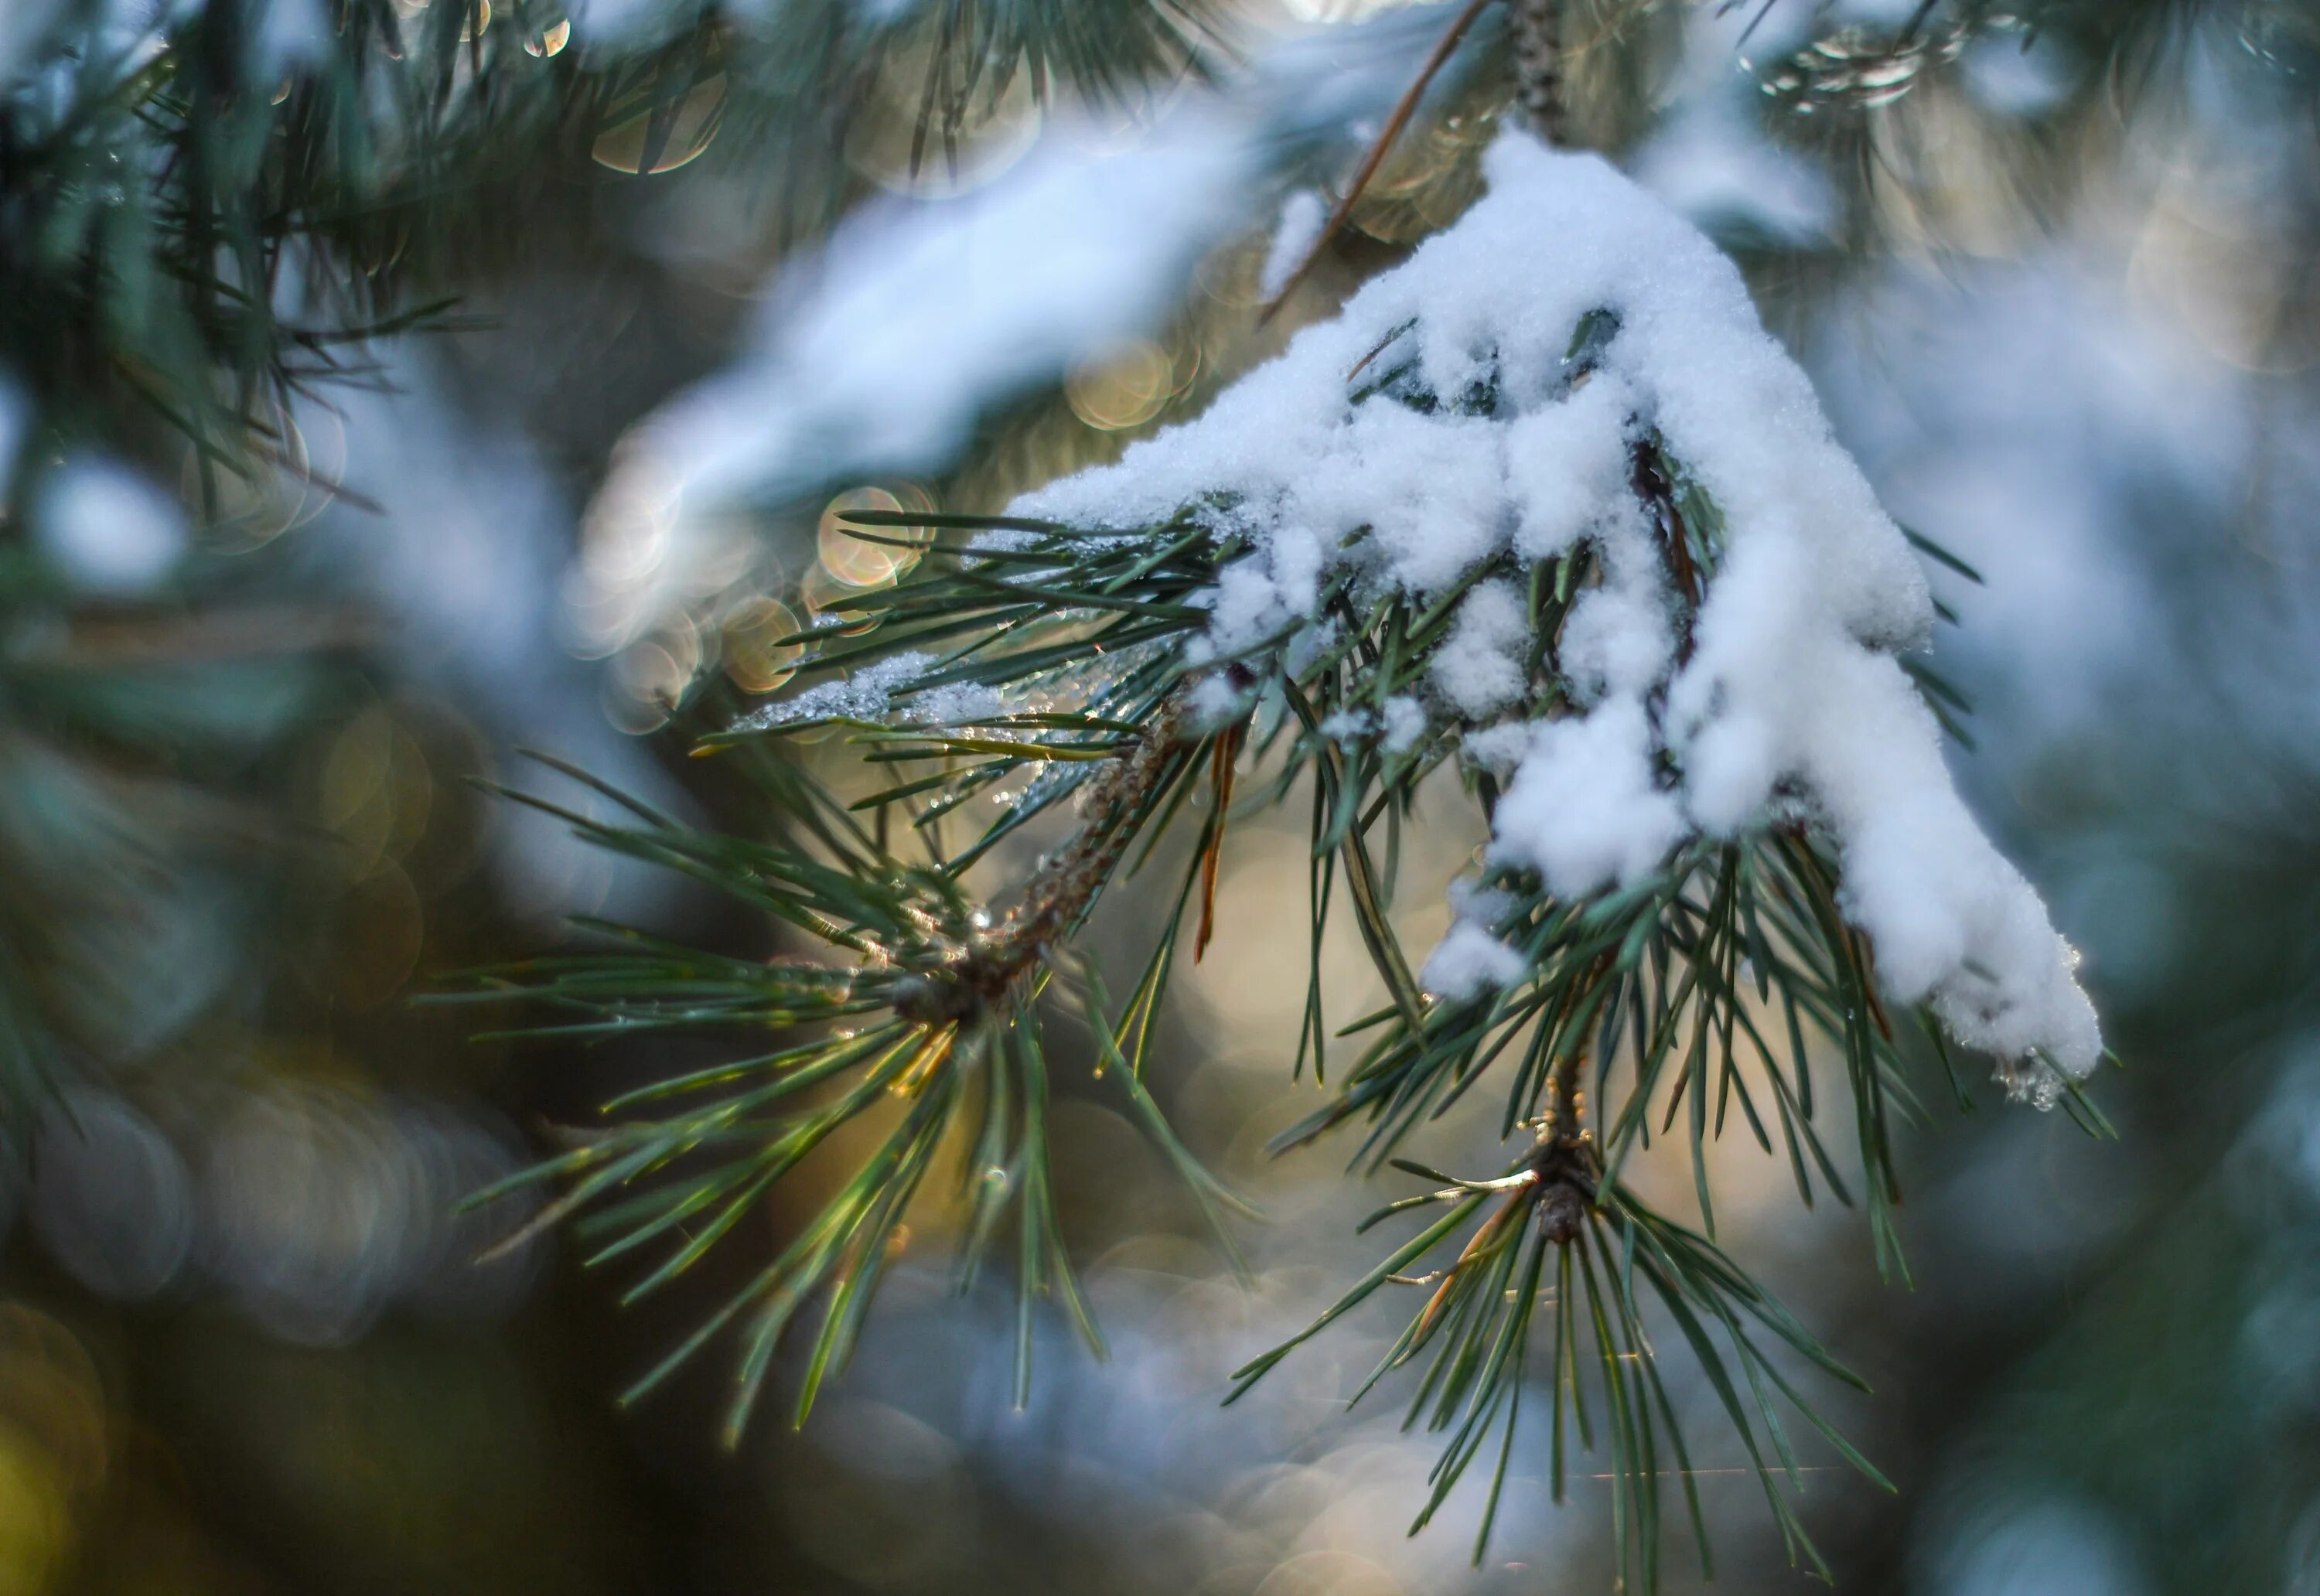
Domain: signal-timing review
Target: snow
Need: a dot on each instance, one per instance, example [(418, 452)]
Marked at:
[(1616, 642), (883, 689), (1405, 723), (23, 25), (1583, 809), (877, 355), (955, 703), (2017, 74), (1790, 698), (1497, 749), (1566, 462), (1302, 214), (294, 34), (867, 694), (107, 528), (1469, 960), (1247, 609), (1479, 669), (1712, 165), (455, 530)]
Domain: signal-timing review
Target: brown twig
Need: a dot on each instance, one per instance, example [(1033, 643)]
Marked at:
[(1403, 111), (1565, 1161), (1065, 885), (1067, 881)]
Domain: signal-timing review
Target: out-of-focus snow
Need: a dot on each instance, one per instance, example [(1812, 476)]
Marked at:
[(464, 555), (107, 528), (880, 354)]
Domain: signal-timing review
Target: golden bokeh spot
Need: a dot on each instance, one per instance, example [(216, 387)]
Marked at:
[(49, 1389), (894, 144), (855, 561), (374, 790), (377, 930), (244, 509), (758, 657), (1123, 387), (552, 42), (823, 595), (318, 443), (644, 686), (55, 1443), (35, 1514), (671, 128)]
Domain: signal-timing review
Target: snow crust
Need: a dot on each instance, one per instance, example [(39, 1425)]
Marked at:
[(883, 689), (1791, 702)]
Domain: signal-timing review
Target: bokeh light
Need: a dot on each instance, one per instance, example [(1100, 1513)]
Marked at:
[(54, 1445), (760, 654), (550, 41), (112, 1199), (675, 127), (1123, 389), (859, 557), (899, 147)]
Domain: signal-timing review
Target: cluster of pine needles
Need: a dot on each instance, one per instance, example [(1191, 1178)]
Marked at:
[(1656, 1008)]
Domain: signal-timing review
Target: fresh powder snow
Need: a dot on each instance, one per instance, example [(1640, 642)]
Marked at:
[(1783, 698)]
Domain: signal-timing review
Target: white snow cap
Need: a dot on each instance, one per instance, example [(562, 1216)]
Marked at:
[(1791, 692)]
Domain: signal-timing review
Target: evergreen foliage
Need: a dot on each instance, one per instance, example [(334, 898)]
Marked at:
[(1068, 667), (202, 221)]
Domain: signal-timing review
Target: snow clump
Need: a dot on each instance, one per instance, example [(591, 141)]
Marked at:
[(1780, 697)]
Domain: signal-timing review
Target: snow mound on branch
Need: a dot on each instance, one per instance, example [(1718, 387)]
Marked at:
[(1791, 698)]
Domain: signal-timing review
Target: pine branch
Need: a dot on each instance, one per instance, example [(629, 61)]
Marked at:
[(1066, 656), (940, 1008), (1098, 655)]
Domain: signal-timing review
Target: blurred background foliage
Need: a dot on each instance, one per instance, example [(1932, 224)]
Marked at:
[(388, 386)]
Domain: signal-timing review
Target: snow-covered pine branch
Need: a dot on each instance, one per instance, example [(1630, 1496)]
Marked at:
[(1774, 693), (1546, 502)]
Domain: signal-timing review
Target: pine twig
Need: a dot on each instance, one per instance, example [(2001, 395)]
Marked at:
[(1399, 117), (1066, 885)]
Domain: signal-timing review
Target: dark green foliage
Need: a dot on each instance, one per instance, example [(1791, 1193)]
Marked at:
[(927, 1018), (1555, 1241), (198, 236), (197, 225)]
